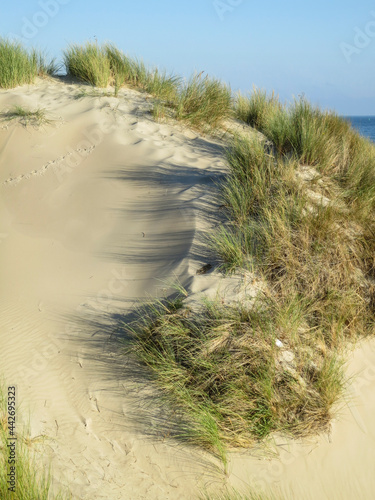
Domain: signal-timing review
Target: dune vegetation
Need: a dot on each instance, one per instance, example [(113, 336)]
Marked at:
[(202, 102), (299, 217), (26, 116), (33, 482), (19, 65)]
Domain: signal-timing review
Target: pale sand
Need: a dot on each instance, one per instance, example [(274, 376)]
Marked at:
[(99, 209)]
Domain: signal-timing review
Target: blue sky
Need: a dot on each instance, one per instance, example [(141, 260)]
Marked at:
[(324, 49)]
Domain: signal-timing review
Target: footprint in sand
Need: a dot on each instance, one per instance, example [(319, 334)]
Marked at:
[(94, 402), (87, 422)]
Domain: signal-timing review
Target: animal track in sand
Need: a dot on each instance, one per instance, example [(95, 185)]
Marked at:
[(95, 405), (93, 397), (55, 164)]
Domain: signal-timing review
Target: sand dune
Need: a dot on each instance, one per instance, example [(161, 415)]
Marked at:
[(100, 208)]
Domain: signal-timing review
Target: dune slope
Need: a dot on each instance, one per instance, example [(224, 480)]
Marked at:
[(100, 208)]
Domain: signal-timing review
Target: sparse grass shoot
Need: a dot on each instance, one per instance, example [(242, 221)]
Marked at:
[(26, 116), (45, 66), (92, 92), (32, 481)]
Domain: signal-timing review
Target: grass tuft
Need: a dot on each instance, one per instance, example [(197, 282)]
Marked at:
[(32, 482), (89, 63), (17, 65), (203, 101), (222, 367), (45, 67), (123, 69), (256, 108), (26, 116)]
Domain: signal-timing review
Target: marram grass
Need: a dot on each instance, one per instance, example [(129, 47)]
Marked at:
[(88, 63), (239, 374), (18, 66), (202, 102), (26, 116), (223, 368)]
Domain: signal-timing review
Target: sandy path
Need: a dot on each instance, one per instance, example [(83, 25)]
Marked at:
[(98, 209)]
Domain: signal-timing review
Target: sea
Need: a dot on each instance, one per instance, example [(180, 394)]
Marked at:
[(364, 124)]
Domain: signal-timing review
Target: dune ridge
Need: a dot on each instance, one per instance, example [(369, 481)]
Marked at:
[(102, 207)]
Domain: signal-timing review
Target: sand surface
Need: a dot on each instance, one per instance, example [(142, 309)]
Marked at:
[(99, 209)]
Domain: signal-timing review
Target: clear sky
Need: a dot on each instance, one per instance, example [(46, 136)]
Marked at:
[(322, 48)]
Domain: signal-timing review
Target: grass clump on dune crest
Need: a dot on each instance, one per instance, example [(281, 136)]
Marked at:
[(136, 74), (313, 137), (320, 139), (200, 101), (161, 85), (106, 65), (122, 68), (19, 66), (89, 63), (203, 101), (256, 108)]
